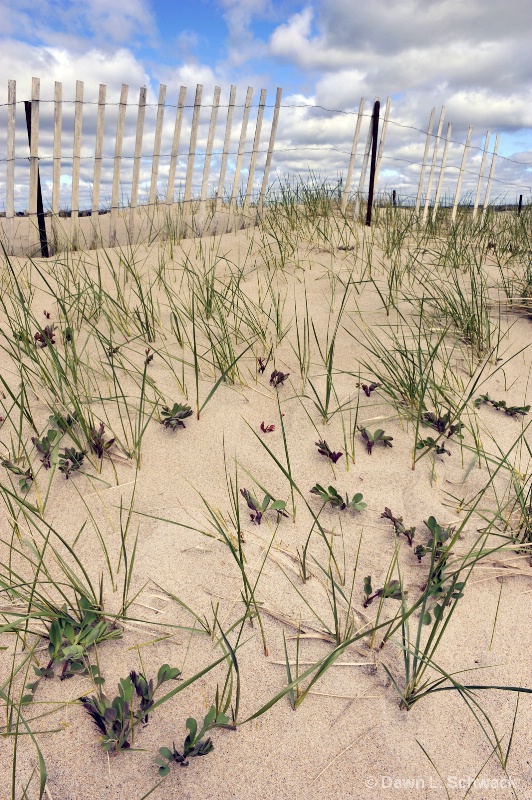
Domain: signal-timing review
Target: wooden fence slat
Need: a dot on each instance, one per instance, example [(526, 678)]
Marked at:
[(241, 146), (58, 114), (34, 163), (210, 142), (134, 201), (461, 174), (271, 145), (442, 170), (175, 145), (349, 176), (157, 144), (98, 153), (117, 163), (382, 141), (10, 165), (254, 152), (78, 113), (193, 141), (490, 176), (433, 164), (481, 173), (364, 167), (425, 159), (227, 142)]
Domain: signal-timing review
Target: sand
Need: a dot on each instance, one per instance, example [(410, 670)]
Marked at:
[(349, 738)]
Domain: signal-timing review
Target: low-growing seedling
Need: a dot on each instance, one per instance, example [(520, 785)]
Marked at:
[(62, 421), (377, 437), (436, 541), (97, 442), (500, 405), (392, 589), (261, 364), (431, 444), (399, 527), (173, 417), (441, 423), (45, 447), (368, 388), (149, 357), (194, 744), (277, 378), (71, 460), (331, 496), (26, 478), (117, 718), (267, 428), (325, 450), (45, 337), (437, 583), (259, 509)]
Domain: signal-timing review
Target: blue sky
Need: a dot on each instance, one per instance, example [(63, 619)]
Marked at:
[(472, 57)]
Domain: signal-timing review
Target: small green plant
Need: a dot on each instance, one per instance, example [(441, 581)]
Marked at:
[(26, 478), (398, 525), (441, 423), (259, 509), (62, 421), (392, 589), (437, 587), (97, 442), (45, 447), (331, 496), (194, 744), (431, 444), (116, 719), (277, 378), (71, 460), (325, 450), (377, 437), (500, 405), (45, 337), (436, 541), (368, 388), (173, 417)]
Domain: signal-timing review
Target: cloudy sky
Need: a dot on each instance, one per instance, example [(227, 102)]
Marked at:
[(472, 56)]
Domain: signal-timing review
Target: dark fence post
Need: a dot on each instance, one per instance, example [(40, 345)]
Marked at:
[(394, 198), (520, 206), (374, 138), (40, 209)]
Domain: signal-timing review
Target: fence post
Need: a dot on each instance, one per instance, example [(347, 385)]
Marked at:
[(269, 156), (382, 140), (157, 144), (56, 186), (98, 156), (433, 165), (76, 163), (520, 206), (175, 145), (36, 206), (442, 170), (193, 141), (241, 146), (364, 168), (490, 176), (345, 194), (424, 164), (10, 165), (461, 175), (254, 152), (117, 163), (225, 152), (136, 162), (372, 169), (481, 173)]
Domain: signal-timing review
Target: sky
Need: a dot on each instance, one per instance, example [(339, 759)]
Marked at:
[(471, 56)]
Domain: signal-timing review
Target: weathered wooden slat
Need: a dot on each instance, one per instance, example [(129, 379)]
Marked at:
[(157, 144), (382, 141), (227, 143), (461, 174), (78, 114), (241, 147), (210, 143), (58, 115), (490, 176), (117, 163), (34, 163), (193, 141), (98, 151), (254, 152), (269, 155), (433, 164), (175, 145), (10, 165), (352, 157), (425, 160), (442, 170), (364, 167), (134, 201), (481, 173)]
